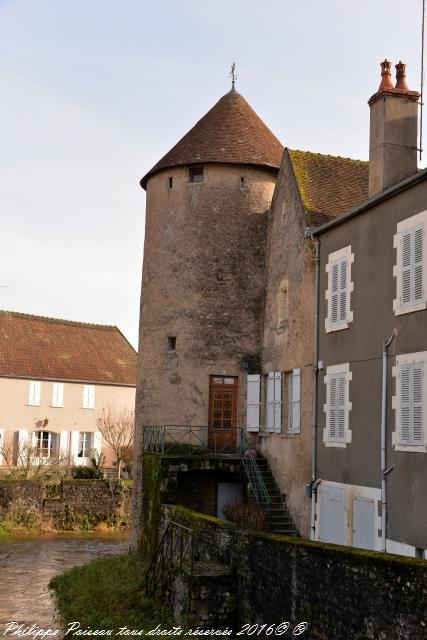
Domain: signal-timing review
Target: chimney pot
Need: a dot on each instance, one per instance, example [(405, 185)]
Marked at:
[(401, 83), (386, 81)]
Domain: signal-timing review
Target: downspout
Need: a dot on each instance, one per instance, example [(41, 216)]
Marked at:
[(315, 379), (384, 471)]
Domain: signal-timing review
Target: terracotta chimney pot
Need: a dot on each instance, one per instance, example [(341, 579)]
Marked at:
[(401, 83), (386, 81)]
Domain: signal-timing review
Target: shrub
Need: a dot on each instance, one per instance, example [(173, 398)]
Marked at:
[(246, 515)]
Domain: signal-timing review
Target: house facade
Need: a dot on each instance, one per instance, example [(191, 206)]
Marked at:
[(372, 388), (55, 378)]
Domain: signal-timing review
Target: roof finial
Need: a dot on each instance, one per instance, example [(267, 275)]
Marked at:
[(233, 76)]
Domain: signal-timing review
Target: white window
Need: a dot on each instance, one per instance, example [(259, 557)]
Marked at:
[(88, 396), (46, 443), (410, 270), (294, 406), (274, 402), (58, 394), (410, 402), (253, 402), (34, 393), (337, 406), (85, 446), (339, 289)]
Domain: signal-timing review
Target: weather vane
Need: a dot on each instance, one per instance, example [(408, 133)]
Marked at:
[(233, 76)]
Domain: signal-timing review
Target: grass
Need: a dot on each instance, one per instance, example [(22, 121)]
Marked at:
[(108, 594)]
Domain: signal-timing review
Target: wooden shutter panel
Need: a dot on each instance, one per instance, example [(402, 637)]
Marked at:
[(418, 265), (341, 406), (270, 402), (342, 311), (296, 401), (253, 402), (405, 394), (277, 401), (332, 407), (417, 403), (406, 255), (334, 274)]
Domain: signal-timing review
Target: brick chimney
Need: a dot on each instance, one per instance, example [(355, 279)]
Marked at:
[(393, 130)]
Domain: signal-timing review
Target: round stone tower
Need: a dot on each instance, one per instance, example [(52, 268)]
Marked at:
[(204, 269)]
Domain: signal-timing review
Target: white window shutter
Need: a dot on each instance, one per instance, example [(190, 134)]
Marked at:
[(253, 402), (74, 447), (295, 409), (343, 291), (334, 275), (64, 443), (97, 442), (270, 402), (405, 409), (341, 406), (418, 265), (92, 396), (277, 401), (34, 393), (407, 259), (417, 403), (332, 407)]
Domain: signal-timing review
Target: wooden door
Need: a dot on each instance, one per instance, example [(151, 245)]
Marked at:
[(223, 414)]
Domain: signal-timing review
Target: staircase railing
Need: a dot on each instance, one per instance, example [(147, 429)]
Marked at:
[(253, 474)]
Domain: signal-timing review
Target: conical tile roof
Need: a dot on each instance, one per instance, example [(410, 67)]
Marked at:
[(231, 132)]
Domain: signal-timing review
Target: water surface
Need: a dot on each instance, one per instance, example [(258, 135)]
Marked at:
[(28, 564)]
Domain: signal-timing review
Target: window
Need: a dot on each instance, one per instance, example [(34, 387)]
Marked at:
[(195, 174), (274, 402), (46, 443), (171, 343), (242, 183), (88, 396), (339, 289), (337, 406), (34, 394), (409, 403), (58, 394), (85, 447), (170, 182), (294, 406), (253, 402), (410, 269)]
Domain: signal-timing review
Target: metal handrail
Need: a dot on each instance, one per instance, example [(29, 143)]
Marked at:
[(189, 440), (252, 471)]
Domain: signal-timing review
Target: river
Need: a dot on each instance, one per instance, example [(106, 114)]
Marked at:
[(28, 564)]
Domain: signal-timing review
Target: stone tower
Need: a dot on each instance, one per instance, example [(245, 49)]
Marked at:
[(204, 265)]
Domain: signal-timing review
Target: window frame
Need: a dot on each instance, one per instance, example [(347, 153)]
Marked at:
[(57, 392), (88, 396), (294, 400), (274, 402), (337, 372), (408, 362), (86, 449), (196, 171), (34, 393), (52, 443), (406, 227), (336, 259)]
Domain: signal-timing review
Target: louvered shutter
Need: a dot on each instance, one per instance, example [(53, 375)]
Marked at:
[(405, 394), (418, 264), (34, 393), (341, 408), (343, 290), (332, 407), (406, 253), (58, 394), (270, 402), (295, 409), (63, 443), (253, 402), (97, 442), (91, 396), (277, 401), (417, 403), (75, 447), (334, 272)]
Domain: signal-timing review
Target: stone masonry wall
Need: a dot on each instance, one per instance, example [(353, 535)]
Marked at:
[(343, 593)]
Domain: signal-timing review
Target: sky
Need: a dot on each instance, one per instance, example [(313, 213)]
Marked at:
[(94, 92)]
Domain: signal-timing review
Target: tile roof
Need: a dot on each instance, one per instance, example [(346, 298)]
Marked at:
[(39, 347), (329, 185), (231, 132)]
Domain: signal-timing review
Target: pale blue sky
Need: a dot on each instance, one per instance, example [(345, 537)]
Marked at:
[(94, 92)]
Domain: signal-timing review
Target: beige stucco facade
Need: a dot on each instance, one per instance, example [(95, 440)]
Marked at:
[(22, 413)]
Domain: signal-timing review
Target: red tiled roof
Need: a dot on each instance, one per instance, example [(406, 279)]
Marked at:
[(39, 347), (231, 132), (329, 185)]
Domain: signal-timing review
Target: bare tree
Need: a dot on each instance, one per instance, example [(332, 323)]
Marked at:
[(25, 461), (117, 428)]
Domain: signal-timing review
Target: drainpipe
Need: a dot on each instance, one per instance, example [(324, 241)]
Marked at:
[(384, 471), (314, 483)]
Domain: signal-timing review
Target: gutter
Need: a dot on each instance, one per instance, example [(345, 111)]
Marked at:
[(380, 197), (383, 440), (314, 483)]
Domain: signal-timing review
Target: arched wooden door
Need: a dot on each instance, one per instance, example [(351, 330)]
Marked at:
[(223, 414)]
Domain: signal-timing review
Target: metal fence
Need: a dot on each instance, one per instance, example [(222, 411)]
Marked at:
[(189, 440)]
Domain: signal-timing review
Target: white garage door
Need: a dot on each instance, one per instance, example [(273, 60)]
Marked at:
[(332, 514)]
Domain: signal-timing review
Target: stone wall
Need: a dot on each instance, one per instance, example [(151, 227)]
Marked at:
[(343, 593), (68, 505)]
